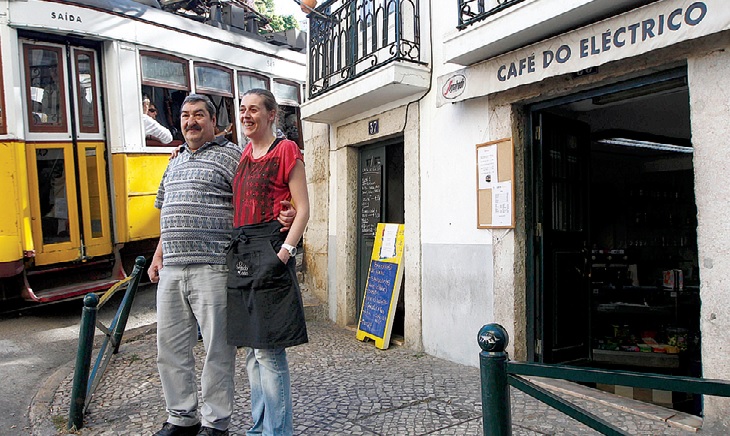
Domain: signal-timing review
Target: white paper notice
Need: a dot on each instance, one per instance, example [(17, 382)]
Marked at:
[(502, 204), (487, 164), (387, 249)]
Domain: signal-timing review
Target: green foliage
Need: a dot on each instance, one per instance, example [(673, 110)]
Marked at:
[(277, 23)]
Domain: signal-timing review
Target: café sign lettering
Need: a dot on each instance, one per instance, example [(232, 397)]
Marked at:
[(638, 32), (654, 26)]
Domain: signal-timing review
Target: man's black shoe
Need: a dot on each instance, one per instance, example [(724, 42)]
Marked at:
[(208, 431), (177, 430)]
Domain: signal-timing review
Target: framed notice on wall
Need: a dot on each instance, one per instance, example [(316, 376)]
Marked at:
[(383, 286), (495, 187)]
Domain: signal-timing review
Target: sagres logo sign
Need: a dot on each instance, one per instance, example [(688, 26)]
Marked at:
[(454, 86)]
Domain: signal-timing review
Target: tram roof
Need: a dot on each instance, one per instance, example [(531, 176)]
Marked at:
[(162, 19)]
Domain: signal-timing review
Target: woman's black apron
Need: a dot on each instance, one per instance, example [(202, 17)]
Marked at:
[(265, 307)]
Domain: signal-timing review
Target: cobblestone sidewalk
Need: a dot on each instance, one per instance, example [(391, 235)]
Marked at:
[(342, 386)]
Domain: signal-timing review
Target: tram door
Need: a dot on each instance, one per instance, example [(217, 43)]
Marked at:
[(65, 153)]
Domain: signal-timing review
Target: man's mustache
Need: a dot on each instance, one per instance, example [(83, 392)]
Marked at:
[(193, 127)]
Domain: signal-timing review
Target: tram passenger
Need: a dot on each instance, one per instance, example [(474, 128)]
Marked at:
[(265, 310), (152, 128), (189, 266)]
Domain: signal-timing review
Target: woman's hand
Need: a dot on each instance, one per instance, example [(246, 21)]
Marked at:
[(283, 255), (175, 152)]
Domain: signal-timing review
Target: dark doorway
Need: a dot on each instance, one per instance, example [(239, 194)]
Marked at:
[(380, 200), (563, 147), (614, 246)]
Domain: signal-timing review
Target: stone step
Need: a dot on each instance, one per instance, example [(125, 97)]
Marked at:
[(313, 308)]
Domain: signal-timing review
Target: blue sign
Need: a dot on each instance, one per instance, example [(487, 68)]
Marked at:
[(378, 297)]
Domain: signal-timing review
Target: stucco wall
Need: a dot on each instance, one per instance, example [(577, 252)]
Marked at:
[(709, 82), (317, 165), (457, 256)]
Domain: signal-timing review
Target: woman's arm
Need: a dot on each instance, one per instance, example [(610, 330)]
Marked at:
[(300, 198)]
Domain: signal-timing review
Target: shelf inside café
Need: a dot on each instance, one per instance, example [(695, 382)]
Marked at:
[(636, 358)]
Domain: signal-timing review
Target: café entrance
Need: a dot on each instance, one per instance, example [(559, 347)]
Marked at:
[(614, 250)]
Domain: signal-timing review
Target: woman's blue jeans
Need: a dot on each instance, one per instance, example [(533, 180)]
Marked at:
[(271, 403)]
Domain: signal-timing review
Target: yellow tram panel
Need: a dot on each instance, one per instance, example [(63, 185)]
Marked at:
[(137, 177), (15, 230)]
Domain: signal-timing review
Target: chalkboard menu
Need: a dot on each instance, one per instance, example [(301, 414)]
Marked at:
[(383, 285), (378, 294), (370, 194)]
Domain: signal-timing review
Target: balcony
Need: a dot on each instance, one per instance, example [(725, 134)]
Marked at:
[(363, 54), (472, 11), (488, 28)]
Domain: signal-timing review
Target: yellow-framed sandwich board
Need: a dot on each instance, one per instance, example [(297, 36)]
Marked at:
[(383, 285)]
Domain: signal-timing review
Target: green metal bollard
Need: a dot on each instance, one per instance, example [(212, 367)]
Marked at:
[(83, 361), (496, 416)]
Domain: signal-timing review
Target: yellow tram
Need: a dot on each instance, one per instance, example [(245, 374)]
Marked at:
[(78, 174)]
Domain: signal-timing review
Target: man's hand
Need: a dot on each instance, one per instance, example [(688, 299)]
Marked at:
[(286, 216), (154, 270)]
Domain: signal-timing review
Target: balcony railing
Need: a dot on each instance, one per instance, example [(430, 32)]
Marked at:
[(471, 11), (350, 38)]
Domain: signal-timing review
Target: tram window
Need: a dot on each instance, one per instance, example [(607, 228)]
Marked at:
[(290, 124), (85, 83), (288, 97), (286, 92), (45, 89), (217, 84), (247, 81), (213, 79), (226, 115), (168, 103), (165, 80), (165, 70), (92, 183), (52, 195)]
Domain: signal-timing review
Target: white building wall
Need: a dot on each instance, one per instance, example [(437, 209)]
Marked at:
[(457, 257), (461, 277)]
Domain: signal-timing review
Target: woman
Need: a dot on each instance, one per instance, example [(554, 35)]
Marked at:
[(265, 311)]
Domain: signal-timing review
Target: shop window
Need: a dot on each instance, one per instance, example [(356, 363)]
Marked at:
[(44, 86), (166, 82)]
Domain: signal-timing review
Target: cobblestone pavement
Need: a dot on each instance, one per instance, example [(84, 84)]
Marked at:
[(342, 386)]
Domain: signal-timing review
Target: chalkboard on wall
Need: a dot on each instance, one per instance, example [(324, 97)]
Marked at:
[(371, 189), (383, 285)]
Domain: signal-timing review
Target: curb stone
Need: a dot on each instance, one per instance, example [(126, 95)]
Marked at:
[(41, 422)]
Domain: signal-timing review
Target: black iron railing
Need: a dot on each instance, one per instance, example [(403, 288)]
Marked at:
[(498, 373), (471, 11), (350, 38)]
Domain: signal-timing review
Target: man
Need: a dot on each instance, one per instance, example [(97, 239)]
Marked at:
[(189, 266), (152, 128)]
